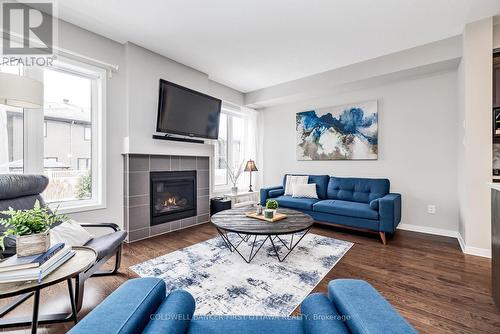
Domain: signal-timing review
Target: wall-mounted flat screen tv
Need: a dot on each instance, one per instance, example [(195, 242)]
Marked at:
[(183, 111)]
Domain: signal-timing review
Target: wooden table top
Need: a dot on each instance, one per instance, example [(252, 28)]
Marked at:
[(234, 220), (83, 259)]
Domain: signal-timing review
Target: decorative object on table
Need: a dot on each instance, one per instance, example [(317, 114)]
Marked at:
[(20, 91), (46, 263), (223, 284), (258, 209), (25, 262), (234, 175), (31, 228), (218, 204), (276, 216), (347, 132), (269, 214), (251, 167), (271, 207)]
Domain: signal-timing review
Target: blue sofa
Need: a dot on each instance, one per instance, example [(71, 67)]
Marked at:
[(141, 306), (359, 203)]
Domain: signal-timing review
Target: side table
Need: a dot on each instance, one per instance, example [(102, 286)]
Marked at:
[(73, 268), (244, 198)]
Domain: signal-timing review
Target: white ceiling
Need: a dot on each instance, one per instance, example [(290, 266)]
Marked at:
[(253, 44)]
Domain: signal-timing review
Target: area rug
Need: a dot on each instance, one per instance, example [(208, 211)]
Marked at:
[(223, 283)]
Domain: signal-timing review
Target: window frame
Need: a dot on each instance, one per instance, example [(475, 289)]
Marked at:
[(34, 140), (230, 113), (225, 185), (85, 137), (86, 160)]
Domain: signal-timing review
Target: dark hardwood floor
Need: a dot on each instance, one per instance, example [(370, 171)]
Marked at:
[(427, 278)]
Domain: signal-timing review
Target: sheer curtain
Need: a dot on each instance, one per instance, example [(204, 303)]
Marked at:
[(253, 145)]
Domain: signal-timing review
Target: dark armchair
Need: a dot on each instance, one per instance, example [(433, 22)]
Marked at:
[(20, 191)]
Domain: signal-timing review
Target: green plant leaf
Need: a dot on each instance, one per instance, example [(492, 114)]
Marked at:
[(25, 222)]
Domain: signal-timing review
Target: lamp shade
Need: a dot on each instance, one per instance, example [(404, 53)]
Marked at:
[(251, 167), (21, 92)]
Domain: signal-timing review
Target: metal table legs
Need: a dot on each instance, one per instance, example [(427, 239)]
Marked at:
[(37, 319), (255, 247), (289, 248), (232, 247)]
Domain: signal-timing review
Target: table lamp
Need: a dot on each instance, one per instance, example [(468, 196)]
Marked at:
[(250, 167)]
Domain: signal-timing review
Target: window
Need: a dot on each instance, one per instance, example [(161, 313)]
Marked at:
[(221, 177), (68, 107), (237, 141), (11, 132), (87, 133), (83, 164), (72, 155), (229, 149)]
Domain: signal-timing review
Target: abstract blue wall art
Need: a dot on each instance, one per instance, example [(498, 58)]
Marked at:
[(347, 132)]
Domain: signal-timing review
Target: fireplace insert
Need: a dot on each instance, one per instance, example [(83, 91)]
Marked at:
[(173, 196)]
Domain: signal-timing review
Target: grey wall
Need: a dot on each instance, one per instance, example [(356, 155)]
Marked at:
[(131, 98), (89, 44), (417, 145)]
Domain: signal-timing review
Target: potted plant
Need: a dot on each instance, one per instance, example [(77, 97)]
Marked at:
[(271, 207), (30, 227), (234, 175)]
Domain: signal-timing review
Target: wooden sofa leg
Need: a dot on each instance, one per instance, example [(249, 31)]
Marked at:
[(382, 236)]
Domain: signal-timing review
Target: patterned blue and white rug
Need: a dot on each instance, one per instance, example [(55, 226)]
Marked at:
[(223, 283)]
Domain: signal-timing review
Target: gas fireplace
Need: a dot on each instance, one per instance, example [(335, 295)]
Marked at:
[(173, 196)]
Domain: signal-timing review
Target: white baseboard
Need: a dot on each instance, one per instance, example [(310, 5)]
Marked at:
[(429, 230), (483, 252), (461, 242)]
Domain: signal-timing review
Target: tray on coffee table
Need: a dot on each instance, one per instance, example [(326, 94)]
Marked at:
[(277, 216)]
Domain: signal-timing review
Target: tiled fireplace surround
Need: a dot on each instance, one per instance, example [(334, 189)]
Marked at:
[(137, 194)]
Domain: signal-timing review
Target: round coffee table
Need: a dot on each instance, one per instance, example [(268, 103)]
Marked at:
[(235, 221), (83, 259)]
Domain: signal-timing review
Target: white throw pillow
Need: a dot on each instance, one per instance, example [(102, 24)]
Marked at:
[(305, 190), (71, 233), (294, 179)]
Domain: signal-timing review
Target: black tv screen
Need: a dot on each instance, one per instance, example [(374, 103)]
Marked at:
[(184, 111)]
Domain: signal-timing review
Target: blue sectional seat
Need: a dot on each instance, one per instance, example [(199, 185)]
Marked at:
[(296, 203), (125, 309), (345, 208), (141, 305), (352, 202), (373, 313)]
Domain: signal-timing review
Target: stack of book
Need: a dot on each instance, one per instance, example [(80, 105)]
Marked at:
[(35, 267)]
